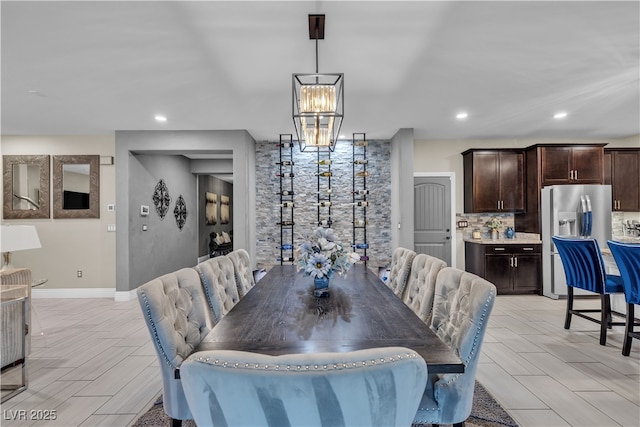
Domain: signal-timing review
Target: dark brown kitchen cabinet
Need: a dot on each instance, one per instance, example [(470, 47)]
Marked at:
[(622, 172), (554, 164), (493, 180), (512, 268), (572, 165)]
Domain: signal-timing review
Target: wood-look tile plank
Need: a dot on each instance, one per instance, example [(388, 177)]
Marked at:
[(509, 360), (506, 390), (135, 395), (118, 420), (563, 372), (113, 380), (627, 387), (100, 364), (616, 407), (537, 418), (568, 405)]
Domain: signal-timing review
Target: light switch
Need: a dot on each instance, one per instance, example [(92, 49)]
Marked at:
[(111, 227), (144, 227)]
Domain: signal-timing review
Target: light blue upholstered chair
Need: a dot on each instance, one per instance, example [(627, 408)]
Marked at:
[(461, 307), (242, 271), (400, 267), (175, 310), (218, 280), (421, 285), (627, 258), (584, 269), (374, 387)]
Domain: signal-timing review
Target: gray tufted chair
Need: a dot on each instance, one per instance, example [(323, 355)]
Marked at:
[(461, 308), (218, 280), (242, 270), (421, 285), (373, 387), (175, 310), (399, 270)]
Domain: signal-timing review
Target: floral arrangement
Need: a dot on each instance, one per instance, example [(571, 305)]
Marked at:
[(494, 223), (323, 256)]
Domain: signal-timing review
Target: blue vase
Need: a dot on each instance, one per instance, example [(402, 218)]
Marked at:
[(509, 233), (321, 286)]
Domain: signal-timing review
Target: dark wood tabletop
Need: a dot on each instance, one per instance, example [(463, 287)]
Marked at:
[(280, 315)]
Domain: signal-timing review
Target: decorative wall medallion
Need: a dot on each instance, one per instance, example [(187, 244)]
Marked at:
[(161, 198), (180, 212)]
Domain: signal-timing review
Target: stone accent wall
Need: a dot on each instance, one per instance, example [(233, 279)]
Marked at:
[(305, 190)]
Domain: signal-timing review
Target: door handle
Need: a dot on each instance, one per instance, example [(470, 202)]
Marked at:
[(448, 237), (575, 174), (515, 262), (511, 262), (498, 204)]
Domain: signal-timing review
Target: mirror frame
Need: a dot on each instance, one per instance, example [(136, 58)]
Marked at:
[(7, 179), (94, 186)]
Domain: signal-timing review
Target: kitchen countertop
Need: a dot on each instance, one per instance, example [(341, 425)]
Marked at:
[(519, 239), (626, 239)]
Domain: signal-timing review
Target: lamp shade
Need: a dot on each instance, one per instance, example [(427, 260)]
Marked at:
[(18, 238)]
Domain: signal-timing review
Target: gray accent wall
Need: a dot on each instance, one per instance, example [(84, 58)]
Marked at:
[(163, 248), (133, 266), (305, 189)]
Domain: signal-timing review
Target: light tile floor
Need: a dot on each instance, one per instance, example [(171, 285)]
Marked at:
[(94, 365)]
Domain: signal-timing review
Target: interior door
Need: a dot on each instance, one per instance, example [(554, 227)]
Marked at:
[(432, 217)]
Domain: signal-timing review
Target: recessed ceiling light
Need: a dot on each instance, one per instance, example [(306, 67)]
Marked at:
[(560, 115), (160, 118), (462, 116)]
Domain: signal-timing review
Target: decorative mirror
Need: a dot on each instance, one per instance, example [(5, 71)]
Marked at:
[(26, 187), (76, 186)]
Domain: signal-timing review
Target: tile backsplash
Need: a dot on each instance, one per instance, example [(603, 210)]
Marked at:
[(477, 222)]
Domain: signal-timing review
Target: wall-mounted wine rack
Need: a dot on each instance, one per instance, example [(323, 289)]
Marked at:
[(286, 193), (324, 188), (360, 195)]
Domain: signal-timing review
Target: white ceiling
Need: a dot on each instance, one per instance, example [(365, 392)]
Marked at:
[(96, 67)]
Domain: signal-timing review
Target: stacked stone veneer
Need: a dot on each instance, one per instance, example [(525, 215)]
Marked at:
[(305, 187)]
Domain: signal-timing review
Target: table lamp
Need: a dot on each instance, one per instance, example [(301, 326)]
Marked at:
[(16, 238)]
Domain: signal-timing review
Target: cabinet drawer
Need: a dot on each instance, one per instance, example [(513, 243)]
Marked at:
[(535, 248)]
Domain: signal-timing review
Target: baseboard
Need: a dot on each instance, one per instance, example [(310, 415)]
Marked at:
[(73, 293), (125, 295)]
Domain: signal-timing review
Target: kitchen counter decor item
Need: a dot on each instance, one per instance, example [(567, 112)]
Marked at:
[(494, 224)]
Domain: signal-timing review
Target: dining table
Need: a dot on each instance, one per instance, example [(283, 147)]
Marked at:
[(281, 315)]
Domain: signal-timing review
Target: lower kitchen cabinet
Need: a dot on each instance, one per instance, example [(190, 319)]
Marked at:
[(512, 268)]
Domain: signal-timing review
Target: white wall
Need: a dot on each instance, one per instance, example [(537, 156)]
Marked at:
[(69, 245)]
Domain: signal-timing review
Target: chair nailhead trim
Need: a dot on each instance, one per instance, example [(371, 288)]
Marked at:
[(305, 368)]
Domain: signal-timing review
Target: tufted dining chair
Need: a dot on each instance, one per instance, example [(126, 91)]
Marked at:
[(421, 285), (461, 307), (584, 269), (218, 280), (627, 257), (175, 311), (242, 271), (373, 387), (400, 267)]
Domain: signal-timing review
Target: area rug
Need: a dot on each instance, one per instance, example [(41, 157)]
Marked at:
[(486, 412)]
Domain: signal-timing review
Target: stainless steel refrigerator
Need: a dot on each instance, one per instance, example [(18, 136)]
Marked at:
[(571, 210)]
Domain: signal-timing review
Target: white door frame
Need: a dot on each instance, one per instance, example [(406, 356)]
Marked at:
[(452, 178)]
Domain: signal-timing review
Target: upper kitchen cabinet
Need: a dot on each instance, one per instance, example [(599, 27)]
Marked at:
[(493, 180), (622, 172), (554, 164), (577, 164)]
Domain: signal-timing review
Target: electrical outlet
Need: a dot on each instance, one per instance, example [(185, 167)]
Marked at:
[(463, 224), (79, 273)]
